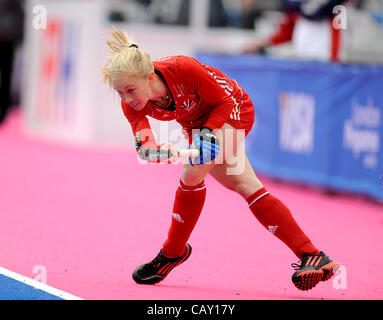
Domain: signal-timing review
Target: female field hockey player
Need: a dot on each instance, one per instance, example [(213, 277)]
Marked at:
[(208, 105)]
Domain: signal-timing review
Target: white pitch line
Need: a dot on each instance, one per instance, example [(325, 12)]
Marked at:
[(38, 285)]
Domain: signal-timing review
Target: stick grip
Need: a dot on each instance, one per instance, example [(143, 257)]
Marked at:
[(163, 154), (188, 153)]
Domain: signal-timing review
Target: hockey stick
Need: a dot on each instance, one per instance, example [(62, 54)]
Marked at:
[(163, 154)]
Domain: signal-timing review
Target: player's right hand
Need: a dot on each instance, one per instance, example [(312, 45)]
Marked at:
[(208, 144)]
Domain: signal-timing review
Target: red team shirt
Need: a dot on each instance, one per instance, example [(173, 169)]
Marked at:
[(203, 97), (285, 33)]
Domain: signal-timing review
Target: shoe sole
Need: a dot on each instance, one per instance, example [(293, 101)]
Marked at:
[(329, 270), (309, 279), (164, 271)]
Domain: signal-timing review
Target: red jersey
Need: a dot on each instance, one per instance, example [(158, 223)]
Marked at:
[(286, 30), (202, 96)]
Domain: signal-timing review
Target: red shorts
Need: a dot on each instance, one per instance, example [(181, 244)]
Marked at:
[(242, 118)]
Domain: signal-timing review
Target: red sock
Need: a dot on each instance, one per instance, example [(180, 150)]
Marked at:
[(276, 217), (187, 208)]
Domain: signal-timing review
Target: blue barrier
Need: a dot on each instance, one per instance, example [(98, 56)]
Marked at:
[(316, 123)]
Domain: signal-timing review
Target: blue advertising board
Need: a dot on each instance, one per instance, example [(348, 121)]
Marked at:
[(317, 123)]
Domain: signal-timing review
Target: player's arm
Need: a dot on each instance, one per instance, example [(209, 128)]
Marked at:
[(145, 142), (211, 88), (285, 30), (143, 134)]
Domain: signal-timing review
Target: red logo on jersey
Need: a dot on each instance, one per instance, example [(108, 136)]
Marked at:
[(188, 105)]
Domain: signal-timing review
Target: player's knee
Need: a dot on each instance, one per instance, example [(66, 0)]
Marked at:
[(191, 180), (194, 175)]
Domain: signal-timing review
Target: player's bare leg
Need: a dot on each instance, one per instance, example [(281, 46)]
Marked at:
[(242, 179)]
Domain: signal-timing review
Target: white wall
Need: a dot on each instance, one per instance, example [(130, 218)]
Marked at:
[(95, 115), (79, 108)]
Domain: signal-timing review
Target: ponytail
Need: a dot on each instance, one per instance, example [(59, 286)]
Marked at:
[(120, 41), (126, 56)]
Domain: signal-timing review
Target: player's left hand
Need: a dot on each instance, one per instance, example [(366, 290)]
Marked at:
[(166, 153), (208, 144)]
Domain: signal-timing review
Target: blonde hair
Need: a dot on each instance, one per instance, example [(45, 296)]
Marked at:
[(126, 56)]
